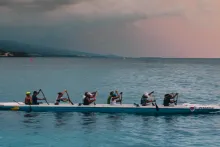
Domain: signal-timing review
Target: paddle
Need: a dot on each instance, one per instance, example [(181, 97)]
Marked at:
[(95, 97), (69, 98), (176, 98), (137, 105), (44, 96), (121, 97), (16, 102), (151, 93), (157, 108)]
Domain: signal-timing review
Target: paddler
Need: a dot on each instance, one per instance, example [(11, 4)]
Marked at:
[(89, 97), (145, 99), (35, 98), (28, 99), (169, 99), (61, 98), (113, 98)]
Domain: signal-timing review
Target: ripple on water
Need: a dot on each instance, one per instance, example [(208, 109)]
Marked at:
[(196, 82)]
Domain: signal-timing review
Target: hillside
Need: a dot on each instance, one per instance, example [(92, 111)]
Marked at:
[(36, 50)]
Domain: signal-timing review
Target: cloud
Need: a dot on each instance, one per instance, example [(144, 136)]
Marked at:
[(109, 8), (107, 26), (84, 12), (99, 9), (36, 5), (54, 10)]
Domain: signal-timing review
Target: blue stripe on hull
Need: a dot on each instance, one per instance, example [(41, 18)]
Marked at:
[(135, 110)]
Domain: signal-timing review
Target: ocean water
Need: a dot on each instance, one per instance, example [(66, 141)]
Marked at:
[(196, 81)]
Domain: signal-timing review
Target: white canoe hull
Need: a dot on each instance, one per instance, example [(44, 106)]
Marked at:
[(106, 108)]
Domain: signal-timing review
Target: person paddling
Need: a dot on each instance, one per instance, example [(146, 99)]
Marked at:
[(35, 98), (113, 98), (145, 99), (169, 99), (28, 99), (61, 98), (89, 98)]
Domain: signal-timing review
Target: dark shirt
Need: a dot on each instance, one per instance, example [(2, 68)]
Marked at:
[(167, 99), (86, 101), (34, 100), (144, 101)]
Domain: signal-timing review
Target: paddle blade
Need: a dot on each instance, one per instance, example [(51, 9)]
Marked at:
[(121, 97), (157, 108)]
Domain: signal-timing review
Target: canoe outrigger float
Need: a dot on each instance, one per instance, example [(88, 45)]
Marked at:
[(185, 108)]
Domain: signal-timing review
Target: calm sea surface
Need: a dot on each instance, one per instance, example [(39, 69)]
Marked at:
[(196, 80)]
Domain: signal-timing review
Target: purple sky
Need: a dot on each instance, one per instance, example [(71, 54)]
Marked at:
[(164, 28)]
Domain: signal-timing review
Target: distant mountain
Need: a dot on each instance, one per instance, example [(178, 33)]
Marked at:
[(113, 56), (36, 50)]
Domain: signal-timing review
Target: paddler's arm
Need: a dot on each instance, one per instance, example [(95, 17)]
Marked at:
[(64, 91), (150, 95), (173, 98), (94, 94), (116, 92), (90, 101), (41, 98), (64, 99), (174, 95), (149, 101), (176, 98), (118, 95)]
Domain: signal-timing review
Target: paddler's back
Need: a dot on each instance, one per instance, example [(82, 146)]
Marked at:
[(109, 99)]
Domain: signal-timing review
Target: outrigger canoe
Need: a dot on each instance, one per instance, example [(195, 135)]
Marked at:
[(118, 108)]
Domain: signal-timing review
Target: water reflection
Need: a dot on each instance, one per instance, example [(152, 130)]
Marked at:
[(147, 120), (88, 122), (88, 118), (62, 118), (114, 117), (114, 121), (31, 121), (169, 120), (31, 114)]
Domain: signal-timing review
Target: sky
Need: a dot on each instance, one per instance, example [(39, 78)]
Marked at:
[(134, 28)]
